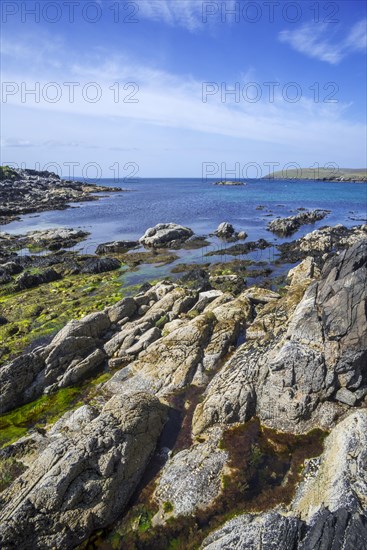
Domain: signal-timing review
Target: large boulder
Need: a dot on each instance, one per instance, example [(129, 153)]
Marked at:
[(84, 478), (165, 235), (225, 230)]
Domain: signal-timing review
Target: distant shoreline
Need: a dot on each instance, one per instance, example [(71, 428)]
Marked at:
[(333, 174)]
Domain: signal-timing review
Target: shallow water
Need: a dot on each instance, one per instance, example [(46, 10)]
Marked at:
[(201, 206)]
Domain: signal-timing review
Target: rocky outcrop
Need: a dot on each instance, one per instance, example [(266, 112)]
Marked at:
[(74, 354), (100, 265), (132, 334), (302, 363), (84, 478), (239, 249), (322, 241), (165, 235), (226, 231), (287, 226), (26, 191), (195, 347), (51, 239), (30, 280)]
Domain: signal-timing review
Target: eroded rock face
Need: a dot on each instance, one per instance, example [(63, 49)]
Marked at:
[(84, 478), (165, 235), (297, 361), (73, 354), (171, 363)]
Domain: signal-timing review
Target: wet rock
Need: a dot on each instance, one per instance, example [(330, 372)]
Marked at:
[(243, 248), (197, 279), (30, 280), (165, 235), (3, 320), (100, 265), (116, 247), (225, 230), (83, 480), (286, 226)]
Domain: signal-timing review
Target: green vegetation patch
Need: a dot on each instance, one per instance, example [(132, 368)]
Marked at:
[(7, 173), (38, 313), (45, 410)]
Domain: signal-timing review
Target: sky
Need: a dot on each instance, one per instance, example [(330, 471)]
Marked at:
[(182, 88)]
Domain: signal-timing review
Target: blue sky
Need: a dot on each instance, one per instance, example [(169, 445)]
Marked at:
[(150, 77)]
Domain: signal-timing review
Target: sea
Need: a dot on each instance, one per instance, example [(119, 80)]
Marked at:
[(202, 206)]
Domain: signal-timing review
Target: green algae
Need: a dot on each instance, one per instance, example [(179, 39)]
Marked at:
[(45, 410), (35, 315)]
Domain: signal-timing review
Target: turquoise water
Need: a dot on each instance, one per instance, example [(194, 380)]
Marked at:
[(202, 206)]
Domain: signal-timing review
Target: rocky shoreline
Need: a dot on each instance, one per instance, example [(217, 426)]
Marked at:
[(26, 191), (166, 384), (201, 411)]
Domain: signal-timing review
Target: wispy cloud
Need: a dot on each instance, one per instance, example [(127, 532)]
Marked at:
[(183, 13), (310, 40)]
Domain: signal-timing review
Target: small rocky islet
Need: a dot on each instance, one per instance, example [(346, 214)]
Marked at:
[(195, 412)]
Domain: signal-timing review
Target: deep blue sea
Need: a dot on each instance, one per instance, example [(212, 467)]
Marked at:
[(201, 206)]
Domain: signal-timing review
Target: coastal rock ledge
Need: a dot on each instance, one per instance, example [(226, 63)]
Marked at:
[(290, 363)]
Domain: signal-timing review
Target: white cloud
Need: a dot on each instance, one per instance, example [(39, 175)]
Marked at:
[(310, 40), (189, 14), (169, 105)]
